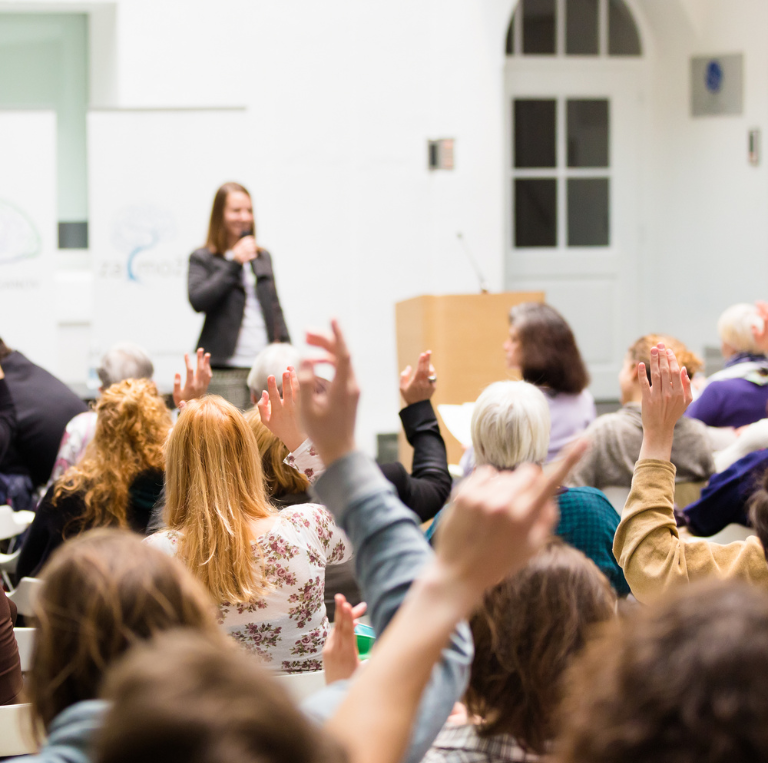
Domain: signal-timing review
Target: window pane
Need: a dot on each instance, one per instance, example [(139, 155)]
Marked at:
[(534, 130), (581, 28), (623, 37), (588, 133), (538, 26), (535, 212), (588, 212)]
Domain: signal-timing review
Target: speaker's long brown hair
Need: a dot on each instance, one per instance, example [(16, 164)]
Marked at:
[(217, 233), (131, 428), (214, 490), (103, 592), (526, 633)]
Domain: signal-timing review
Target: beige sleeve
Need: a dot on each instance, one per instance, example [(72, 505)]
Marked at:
[(652, 554)]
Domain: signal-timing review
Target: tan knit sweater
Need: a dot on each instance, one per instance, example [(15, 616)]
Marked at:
[(654, 558)]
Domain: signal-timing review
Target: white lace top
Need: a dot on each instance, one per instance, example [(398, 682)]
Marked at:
[(288, 626)]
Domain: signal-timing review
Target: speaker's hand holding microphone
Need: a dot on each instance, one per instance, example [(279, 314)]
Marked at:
[(245, 249)]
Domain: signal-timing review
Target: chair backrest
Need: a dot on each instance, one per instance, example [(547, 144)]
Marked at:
[(23, 596), (617, 496), (13, 523), (8, 562), (729, 534), (15, 731), (25, 641), (302, 685)]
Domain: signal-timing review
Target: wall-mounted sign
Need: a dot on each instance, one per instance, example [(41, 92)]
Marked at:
[(717, 85), (440, 154)]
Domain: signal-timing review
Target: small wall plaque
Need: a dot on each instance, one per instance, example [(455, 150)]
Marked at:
[(717, 85), (440, 154)]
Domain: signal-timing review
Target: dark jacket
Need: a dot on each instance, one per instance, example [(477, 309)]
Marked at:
[(35, 408), (215, 288), (52, 524)]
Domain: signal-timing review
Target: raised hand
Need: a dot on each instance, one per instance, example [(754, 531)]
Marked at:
[(328, 415), (281, 415), (664, 402), (340, 656), (420, 385), (497, 522), (197, 381)]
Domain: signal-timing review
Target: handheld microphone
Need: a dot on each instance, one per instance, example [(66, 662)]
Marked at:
[(246, 232), (473, 262)]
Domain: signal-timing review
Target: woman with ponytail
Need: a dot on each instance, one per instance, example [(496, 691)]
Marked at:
[(265, 570)]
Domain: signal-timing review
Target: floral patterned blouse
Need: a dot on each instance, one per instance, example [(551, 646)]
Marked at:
[(288, 626)]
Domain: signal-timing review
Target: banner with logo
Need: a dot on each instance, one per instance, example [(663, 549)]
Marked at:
[(152, 178), (28, 234)]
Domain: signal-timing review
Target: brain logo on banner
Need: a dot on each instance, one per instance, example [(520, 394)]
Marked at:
[(138, 229), (19, 238)]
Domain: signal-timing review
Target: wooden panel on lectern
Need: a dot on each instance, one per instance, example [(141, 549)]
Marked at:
[(465, 333)]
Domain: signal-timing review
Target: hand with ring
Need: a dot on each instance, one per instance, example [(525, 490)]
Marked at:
[(421, 385)]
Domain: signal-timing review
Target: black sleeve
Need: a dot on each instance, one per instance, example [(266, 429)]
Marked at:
[(266, 291), (7, 419), (45, 534), (207, 288), (427, 488)]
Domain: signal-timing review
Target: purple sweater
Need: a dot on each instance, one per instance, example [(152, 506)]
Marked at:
[(736, 401)]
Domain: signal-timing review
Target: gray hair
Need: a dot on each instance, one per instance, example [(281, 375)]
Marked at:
[(510, 425), (735, 327), (125, 360), (273, 360)]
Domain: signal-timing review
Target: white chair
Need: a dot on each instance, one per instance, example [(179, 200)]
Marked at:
[(617, 496), (302, 685), (25, 641), (13, 523), (23, 596), (8, 564), (15, 731)]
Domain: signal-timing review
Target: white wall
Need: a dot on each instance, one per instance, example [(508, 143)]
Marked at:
[(342, 97)]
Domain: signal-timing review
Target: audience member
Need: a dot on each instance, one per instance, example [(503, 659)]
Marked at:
[(615, 438), (647, 543), (510, 426), (163, 694), (118, 480), (750, 438), (271, 361), (265, 569), (103, 592), (726, 498), (527, 631), (542, 347), (125, 361), (426, 488), (738, 394), (34, 410), (10, 666), (684, 681)]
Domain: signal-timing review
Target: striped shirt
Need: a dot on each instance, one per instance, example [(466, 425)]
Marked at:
[(461, 744)]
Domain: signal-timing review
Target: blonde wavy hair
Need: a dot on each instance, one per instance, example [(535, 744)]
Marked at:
[(640, 352), (131, 428), (214, 490), (279, 478)]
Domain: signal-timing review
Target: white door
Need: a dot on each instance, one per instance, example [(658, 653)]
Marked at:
[(576, 128)]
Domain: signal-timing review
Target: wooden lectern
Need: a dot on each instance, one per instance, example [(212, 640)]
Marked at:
[(465, 333)]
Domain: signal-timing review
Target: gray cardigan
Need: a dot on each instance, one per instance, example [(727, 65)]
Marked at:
[(615, 440), (215, 287)]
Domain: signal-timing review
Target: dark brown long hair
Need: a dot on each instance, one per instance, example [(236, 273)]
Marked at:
[(103, 592), (683, 681), (217, 242), (550, 355), (526, 633)]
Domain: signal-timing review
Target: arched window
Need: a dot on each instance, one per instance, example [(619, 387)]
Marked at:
[(573, 28)]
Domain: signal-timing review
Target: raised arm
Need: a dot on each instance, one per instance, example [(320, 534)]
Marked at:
[(487, 534), (647, 544), (197, 380)]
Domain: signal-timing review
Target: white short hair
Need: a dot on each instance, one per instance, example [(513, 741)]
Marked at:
[(510, 425), (273, 360), (735, 327), (125, 360)]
